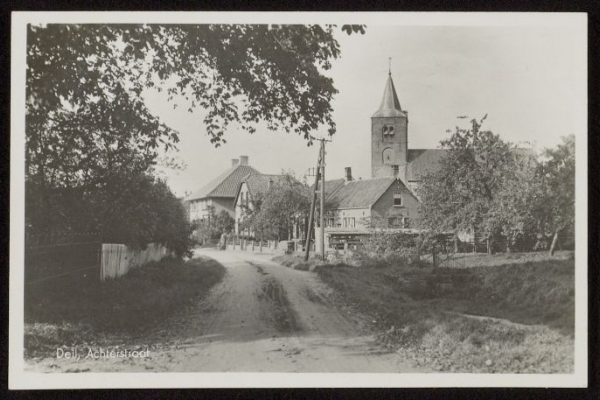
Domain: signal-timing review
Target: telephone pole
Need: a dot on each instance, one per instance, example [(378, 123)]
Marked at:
[(319, 176), (322, 211)]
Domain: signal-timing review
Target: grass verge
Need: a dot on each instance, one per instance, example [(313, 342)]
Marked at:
[(71, 312), (511, 318), (298, 263)]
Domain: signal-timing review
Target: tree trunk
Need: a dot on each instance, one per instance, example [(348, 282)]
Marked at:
[(490, 245), (554, 242)]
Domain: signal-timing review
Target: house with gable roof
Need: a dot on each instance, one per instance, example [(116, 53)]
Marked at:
[(219, 194), (251, 189)]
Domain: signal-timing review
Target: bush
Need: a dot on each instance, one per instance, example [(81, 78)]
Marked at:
[(383, 249), (131, 208)]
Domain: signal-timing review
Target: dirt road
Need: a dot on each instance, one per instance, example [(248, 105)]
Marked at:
[(262, 317)]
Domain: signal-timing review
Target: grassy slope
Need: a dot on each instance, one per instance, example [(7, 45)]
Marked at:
[(297, 263), (75, 312), (420, 312)]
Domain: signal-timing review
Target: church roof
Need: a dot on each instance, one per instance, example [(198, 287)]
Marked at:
[(421, 161), (224, 185), (390, 105), (360, 194)]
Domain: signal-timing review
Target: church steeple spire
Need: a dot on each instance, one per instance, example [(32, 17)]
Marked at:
[(390, 105), (389, 135)]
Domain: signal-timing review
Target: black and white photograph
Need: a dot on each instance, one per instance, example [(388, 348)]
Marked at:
[(298, 200)]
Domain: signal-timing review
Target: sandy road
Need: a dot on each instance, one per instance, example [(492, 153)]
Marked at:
[(262, 317)]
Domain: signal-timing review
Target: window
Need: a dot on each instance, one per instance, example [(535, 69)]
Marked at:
[(351, 222), (405, 223), (394, 222), (395, 170), (387, 131), (397, 200), (388, 156), (242, 198)]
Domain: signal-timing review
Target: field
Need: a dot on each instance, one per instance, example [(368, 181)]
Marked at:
[(505, 315), (90, 312)]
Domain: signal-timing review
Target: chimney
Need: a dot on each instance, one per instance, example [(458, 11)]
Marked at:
[(270, 183), (243, 160), (395, 170), (348, 175), (234, 162)]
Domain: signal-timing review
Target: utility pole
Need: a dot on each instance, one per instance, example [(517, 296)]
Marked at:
[(322, 211), (319, 176), (313, 204)]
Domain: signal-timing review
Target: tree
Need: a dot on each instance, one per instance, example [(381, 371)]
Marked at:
[(486, 185), (214, 225), (224, 223), (86, 117), (460, 195), (520, 206), (275, 211), (558, 171), (91, 140)]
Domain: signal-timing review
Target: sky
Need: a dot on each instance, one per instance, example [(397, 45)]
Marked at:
[(529, 80)]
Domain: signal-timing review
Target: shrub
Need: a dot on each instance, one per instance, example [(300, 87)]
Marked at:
[(382, 249)]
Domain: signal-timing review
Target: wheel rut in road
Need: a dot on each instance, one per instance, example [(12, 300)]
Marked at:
[(280, 313)]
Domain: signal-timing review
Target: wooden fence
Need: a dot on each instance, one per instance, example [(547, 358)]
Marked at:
[(118, 259)]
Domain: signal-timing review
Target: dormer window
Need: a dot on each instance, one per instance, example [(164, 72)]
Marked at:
[(388, 131)]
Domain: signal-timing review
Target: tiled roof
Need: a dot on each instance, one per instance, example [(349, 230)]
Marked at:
[(360, 194), (259, 183), (224, 185), (390, 105), (421, 161), (330, 186)]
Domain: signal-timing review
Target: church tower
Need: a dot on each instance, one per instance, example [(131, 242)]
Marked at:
[(389, 136)]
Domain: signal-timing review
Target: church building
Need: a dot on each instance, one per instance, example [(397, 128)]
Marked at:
[(387, 200)]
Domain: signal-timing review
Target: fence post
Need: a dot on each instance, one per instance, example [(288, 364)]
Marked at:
[(100, 262)]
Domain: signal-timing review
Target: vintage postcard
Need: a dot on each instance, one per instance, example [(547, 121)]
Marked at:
[(220, 199)]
